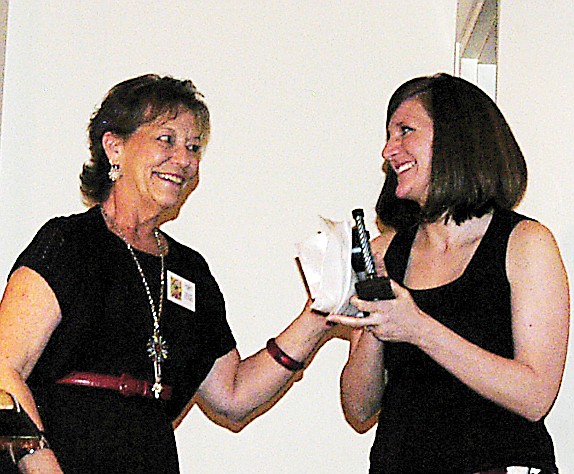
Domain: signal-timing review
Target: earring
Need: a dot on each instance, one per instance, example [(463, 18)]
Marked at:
[(115, 172)]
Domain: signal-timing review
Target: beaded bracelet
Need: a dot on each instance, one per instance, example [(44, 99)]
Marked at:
[(281, 358)]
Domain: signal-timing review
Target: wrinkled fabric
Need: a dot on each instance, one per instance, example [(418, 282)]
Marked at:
[(326, 263)]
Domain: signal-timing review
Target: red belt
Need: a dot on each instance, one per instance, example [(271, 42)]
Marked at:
[(127, 385)]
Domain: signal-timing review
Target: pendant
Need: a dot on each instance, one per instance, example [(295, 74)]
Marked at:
[(157, 389), (157, 350)]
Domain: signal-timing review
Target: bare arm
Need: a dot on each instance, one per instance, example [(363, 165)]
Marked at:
[(363, 379), (526, 384), (29, 313), (235, 388)]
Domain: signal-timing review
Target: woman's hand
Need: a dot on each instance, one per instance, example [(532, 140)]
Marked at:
[(397, 320), (41, 462)]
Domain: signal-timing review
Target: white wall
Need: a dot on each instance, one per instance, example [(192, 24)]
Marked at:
[(3, 28), (535, 90), (298, 92)]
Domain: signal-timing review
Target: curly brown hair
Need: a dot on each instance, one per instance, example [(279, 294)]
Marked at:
[(126, 107)]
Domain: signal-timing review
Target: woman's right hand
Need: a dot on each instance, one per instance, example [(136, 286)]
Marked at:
[(396, 320), (42, 461)]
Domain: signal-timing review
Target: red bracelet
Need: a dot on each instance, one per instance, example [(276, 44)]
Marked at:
[(282, 358)]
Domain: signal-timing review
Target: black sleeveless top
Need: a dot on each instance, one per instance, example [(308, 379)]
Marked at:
[(430, 422)]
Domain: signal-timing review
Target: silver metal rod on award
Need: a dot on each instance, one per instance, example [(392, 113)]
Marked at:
[(370, 287)]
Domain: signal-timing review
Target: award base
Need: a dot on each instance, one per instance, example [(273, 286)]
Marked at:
[(375, 289)]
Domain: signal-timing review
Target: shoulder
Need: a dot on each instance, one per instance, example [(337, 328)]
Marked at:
[(73, 223), (509, 229), (58, 230), (528, 234), (59, 236), (380, 243), (532, 245), (183, 252), (187, 262), (58, 248)]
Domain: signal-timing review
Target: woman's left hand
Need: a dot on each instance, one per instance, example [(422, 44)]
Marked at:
[(397, 320)]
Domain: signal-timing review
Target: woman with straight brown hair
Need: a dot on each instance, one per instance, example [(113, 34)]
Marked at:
[(462, 367)]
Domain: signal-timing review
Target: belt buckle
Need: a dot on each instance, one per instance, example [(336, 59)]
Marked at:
[(130, 386)]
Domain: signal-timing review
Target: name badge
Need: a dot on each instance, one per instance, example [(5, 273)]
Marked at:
[(180, 291)]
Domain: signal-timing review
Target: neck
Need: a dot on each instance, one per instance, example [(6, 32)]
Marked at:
[(136, 230), (449, 234)]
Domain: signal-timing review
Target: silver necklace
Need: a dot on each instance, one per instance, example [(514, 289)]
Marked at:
[(156, 347)]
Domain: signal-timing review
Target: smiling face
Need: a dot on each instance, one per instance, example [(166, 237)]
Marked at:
[(409, 150), (159, 163)]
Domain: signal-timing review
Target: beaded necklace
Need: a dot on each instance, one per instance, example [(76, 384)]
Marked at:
[(157, 348)]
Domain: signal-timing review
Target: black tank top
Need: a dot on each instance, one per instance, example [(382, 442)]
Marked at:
[(430, 422)]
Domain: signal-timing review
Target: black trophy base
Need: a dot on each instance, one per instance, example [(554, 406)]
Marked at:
[(375, 289)]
